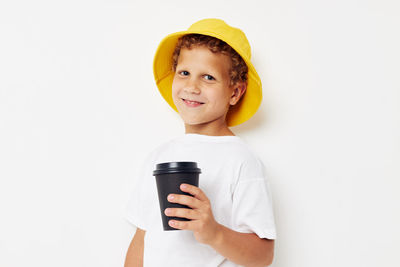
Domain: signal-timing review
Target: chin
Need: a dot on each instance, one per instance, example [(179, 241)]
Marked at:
[(193, 122)]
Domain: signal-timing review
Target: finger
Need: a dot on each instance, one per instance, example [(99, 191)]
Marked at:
[(194, 191), (183, 225), (184, 200), (182, 213)]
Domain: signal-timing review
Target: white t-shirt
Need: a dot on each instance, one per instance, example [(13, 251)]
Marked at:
[(233, 179)]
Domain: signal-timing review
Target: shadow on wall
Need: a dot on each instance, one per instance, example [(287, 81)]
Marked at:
[(258, 119)]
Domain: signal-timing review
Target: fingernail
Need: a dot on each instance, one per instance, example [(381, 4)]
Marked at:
[(171, 197)]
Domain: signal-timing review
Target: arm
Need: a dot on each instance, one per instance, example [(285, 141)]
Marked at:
[(242, 248), (134, 256)]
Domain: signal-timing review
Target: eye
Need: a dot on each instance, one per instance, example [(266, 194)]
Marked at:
[(184, 72), (209, 77)]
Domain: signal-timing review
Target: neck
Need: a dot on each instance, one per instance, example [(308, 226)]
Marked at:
[(206, 130)]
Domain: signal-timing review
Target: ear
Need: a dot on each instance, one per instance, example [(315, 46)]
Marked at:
[(238, 90)]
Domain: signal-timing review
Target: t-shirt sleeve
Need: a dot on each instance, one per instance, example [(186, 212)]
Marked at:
[(134, 209), (252, 209)]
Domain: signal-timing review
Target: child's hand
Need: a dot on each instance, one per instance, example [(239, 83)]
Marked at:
[(202, 223)]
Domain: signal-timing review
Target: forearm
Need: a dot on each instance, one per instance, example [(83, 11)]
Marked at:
[(134, 255), (242, 248)]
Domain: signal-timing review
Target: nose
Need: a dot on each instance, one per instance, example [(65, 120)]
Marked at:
[(191, 87)]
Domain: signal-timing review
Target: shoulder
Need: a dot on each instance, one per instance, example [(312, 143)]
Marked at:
[(161, 148), (244, 152), (251, 165)]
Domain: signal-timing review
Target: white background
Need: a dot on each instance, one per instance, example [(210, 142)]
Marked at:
[(79, 109)]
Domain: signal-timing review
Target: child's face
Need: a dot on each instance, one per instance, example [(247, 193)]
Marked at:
[(203, 77)]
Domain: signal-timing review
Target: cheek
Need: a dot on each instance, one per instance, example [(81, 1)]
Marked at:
[(218, 97), (220, 101), (175, 90)]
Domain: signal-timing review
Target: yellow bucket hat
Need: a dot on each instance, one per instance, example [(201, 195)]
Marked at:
[(163, 74)]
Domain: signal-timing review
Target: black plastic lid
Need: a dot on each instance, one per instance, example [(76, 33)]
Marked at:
[(173, 167)]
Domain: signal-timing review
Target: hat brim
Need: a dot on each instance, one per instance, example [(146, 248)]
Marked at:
[(163, 74)]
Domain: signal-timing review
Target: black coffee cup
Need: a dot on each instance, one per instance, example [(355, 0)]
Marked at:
[(169, 177)]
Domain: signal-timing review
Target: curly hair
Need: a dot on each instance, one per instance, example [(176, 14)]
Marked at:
[(237, 72)]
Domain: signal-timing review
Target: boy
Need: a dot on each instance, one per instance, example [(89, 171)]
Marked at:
[(206, 75)]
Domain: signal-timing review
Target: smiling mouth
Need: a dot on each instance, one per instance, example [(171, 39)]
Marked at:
[(192, 102)]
